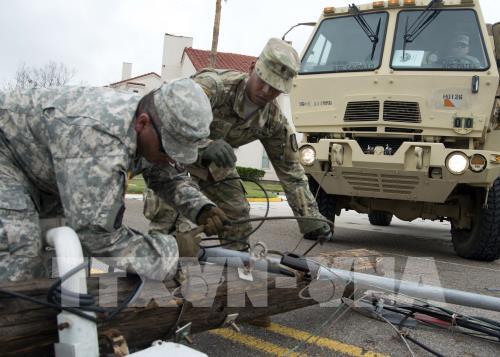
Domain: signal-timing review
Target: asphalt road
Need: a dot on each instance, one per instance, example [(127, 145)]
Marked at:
[(417, 251)]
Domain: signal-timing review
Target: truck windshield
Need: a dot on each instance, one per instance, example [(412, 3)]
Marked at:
[(450, 41), (341, 45)]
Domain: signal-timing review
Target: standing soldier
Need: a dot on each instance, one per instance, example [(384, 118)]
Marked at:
[(68, 151), (244, 110)]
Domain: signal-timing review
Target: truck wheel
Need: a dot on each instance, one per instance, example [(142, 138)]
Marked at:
[(379, 218), (482, 242), (326, 202)]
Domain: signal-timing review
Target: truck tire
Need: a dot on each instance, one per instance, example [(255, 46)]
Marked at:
[(482, 242), (326, 202), (379, 218)]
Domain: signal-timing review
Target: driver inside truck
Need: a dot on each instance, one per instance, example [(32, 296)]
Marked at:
[(458, 54)]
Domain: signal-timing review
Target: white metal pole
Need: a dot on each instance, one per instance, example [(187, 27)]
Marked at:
[(395, 286)]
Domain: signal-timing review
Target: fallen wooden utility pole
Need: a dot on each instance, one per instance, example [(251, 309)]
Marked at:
[(209, 297)]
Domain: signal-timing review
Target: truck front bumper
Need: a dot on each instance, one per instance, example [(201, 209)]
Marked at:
[(417, 171)]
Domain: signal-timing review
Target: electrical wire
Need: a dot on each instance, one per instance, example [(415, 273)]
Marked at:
[(485, 327), (279, 218), (405, 335), (315, 336), (86, 302), (56, 295), (262, 219), (461, 321), (175, 326), (318, 190), (244, 240), (476, 326), (400, 334), (421, 345)]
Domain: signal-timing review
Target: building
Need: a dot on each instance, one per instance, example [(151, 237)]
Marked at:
[(142, 84)]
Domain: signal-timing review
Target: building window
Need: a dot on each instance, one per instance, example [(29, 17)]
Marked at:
[(265, 160)]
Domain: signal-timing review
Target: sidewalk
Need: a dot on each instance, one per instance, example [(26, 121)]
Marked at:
[(131, 196)]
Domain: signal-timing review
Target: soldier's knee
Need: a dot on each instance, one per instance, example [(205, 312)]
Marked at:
[(161, 214), (151, 204), (243, 209)]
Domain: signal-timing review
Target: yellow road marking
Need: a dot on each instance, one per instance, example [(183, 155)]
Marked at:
[(333, 345), (253, 342), (258, 199)]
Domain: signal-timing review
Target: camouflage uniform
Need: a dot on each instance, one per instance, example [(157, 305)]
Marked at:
[(458, 56), (239, 122), (67, 152)]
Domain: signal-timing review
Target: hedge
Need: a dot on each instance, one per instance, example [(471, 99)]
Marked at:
[(250, 172)]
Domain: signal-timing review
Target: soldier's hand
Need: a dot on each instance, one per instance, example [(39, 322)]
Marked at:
[(219, 152), (322, 234), (188, 241), (213, 219)]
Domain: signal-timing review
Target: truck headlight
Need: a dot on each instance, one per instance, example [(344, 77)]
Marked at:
[(457, 162), (307, 155), (477, 163)]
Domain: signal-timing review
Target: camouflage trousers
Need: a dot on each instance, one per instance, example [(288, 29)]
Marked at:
[(228, 195), (21, 255)]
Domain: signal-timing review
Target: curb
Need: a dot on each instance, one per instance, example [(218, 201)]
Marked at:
[(134, 196), (139, 197), (273, 199)]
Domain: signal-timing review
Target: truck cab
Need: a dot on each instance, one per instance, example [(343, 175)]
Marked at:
[(399, 105)]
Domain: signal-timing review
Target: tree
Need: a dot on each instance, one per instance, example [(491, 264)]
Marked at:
[(52, 74)]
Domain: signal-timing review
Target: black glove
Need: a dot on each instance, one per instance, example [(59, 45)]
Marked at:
[(213, 219), (219, 152), (323, 234)]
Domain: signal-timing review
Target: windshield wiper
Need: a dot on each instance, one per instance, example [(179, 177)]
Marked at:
[(373, 36), (420, 23)]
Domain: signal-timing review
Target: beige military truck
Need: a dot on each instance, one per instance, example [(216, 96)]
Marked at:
[(399, 105)]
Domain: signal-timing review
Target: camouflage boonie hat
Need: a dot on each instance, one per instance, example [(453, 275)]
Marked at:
[(186, 114), (278, 64)]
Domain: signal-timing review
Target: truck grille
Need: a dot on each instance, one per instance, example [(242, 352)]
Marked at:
[(408, 112), (362, 111), (368, 182)]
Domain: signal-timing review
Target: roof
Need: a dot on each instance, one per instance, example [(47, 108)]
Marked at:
[(137, 77), (225, 60)]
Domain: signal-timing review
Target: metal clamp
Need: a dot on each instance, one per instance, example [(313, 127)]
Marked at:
[(255, 254), (183, 333), (231, 322)]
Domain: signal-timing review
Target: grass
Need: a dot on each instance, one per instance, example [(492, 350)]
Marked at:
[(137, 185), (254, 191)]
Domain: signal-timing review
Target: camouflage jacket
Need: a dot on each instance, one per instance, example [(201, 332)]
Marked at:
[(78, 145), (226, 91)]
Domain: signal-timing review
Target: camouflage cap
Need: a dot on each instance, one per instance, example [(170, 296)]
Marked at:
[(278, 63), (461, 39), (185, 114)]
